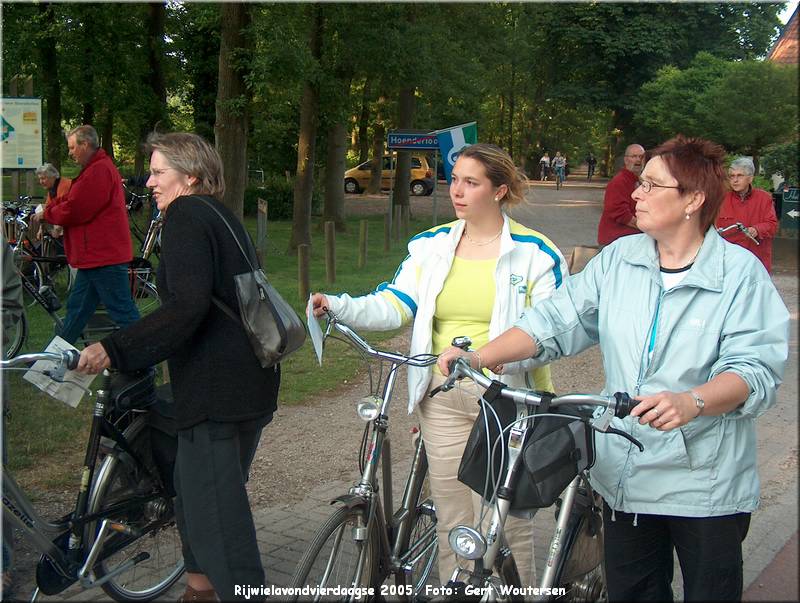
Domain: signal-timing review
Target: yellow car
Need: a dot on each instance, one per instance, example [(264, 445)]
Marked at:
[(357, 179)]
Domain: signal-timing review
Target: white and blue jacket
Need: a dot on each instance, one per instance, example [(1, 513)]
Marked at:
[(528, 270), (724, 316)]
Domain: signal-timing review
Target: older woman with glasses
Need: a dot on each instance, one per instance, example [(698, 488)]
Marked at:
[(750, 207), (695, 329)]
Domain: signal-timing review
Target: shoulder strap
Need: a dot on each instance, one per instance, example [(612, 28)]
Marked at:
[(216, 300)]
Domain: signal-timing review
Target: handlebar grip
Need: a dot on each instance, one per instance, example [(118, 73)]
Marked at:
[(624, 404), (71, 358)]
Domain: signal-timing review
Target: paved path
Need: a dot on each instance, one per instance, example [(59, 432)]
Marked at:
[(569, 217)]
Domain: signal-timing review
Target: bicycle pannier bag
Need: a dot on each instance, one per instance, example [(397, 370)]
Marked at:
[(271, 324), (555, 451)]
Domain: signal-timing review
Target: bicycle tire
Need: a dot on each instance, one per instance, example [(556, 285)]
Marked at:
[(333, 552), (15, 337), (581, 573), (144, 294), (149, 510)]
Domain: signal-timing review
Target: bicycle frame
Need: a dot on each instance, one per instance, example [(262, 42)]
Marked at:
[(62, 542)]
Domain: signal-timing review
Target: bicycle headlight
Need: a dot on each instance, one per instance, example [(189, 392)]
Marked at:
[(368, 408), (467, 542)]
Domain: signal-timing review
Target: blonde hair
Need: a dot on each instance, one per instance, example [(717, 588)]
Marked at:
[(500, 169), (191, 155)]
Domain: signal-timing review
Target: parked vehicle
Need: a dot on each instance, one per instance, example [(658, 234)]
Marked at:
[(357, 179)]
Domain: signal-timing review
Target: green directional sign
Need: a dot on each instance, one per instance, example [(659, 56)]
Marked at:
[(790, 212)]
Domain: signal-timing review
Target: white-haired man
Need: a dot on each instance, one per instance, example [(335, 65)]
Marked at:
[(619, 209)]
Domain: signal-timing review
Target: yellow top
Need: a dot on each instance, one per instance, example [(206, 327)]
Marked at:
[(464, 305)]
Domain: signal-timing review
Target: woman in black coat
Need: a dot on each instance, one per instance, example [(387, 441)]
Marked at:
[(223, 398)]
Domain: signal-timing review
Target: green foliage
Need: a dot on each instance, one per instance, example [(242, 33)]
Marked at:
[(279, 194), (782, 159)]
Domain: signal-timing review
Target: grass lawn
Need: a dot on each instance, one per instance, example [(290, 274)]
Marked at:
[(46, 438)]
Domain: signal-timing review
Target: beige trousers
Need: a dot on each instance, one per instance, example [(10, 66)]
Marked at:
[(446, 421)]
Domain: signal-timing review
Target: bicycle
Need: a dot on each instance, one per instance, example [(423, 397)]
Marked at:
[(121, 534), (574, 565), (149, 239), (741, 228), (363, 542)]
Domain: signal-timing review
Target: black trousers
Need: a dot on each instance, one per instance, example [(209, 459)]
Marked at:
[(639, 559), (212, 509)]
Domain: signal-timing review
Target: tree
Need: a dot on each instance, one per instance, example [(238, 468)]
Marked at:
[(50, 83), (231, 126)]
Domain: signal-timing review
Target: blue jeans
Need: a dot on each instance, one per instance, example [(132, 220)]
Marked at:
[(107, 284), (561, 172)]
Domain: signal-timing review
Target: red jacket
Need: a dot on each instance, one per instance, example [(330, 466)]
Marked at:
[(93, 214), (756, 210), (618, 208)]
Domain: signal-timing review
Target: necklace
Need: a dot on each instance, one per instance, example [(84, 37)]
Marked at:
[(685, 266), (481, 244)]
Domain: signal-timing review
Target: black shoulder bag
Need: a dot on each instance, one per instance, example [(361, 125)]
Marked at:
[(273, 327)]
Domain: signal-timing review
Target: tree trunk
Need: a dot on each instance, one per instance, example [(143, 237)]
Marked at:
[(230, 128), (378, 135), (51, 85), (363, 124), (335, 163), (157, 96), (306, 143), (106, 132), (405, 121)]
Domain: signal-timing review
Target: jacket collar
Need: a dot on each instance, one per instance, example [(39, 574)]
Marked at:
[(97, 156), (706, 272)]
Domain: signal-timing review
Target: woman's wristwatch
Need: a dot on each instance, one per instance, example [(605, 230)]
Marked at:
[(698, 401)]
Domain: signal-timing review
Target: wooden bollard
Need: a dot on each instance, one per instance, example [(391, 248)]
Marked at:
[(303, 279), (387, 236), (261, 230), (330, 252), (362, 243)]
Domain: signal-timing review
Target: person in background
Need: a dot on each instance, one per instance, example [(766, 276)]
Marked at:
[(694, 328), (97, 238), (751, 207), (591, 163), (560, 165), (55, 186), (619, 215), (472, 277), (544, 166), (223, 397)]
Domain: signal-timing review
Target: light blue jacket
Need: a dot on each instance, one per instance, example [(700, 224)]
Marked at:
[(725, 316)]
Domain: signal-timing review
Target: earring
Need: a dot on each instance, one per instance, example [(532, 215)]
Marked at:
[(497, 199), (688, 216)]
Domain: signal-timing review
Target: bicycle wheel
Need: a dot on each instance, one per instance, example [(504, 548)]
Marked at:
[(14, 337), (139, 501), (336, 564), (581, 574), (423, 547), (144, 294)]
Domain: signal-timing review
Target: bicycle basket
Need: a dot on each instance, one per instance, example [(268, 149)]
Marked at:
[(555, 451)]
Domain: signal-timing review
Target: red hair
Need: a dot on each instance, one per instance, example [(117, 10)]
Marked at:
[(698, 166)]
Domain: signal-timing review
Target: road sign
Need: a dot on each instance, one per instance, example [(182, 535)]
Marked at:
[(418, 140), (790, 212), (21, 138)]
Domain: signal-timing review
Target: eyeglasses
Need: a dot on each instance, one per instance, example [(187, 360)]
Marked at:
[(736, 176), (647, 186)]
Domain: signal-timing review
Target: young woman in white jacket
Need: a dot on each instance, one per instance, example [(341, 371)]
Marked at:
[(475, 277)]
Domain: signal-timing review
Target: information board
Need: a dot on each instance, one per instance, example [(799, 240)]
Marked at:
[(21, 137), (412, 139), (790, 212)]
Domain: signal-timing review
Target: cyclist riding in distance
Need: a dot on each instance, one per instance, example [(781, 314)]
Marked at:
[(474, 277), (695, 328)]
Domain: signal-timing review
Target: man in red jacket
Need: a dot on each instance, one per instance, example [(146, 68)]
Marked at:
[(751, 207), (619, 209), (97, 239)]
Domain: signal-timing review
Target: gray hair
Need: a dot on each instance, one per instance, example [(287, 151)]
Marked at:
[(744, 164), (83, 134), (48, 170), (191, 155)]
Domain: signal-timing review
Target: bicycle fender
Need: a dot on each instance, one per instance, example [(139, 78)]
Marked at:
[(351, 501)]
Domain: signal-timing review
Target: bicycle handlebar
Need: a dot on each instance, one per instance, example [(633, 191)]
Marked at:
[(359, 343), (621, 403), (67, 360), (741, 228)]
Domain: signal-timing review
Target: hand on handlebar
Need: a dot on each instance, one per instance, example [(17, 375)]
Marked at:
[(94, 359), (665, 411), (447, 357), (319, 303)]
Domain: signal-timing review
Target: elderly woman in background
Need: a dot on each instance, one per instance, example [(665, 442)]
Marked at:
[(223, 397), (696, 330), (56, 186), (751, 207)]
